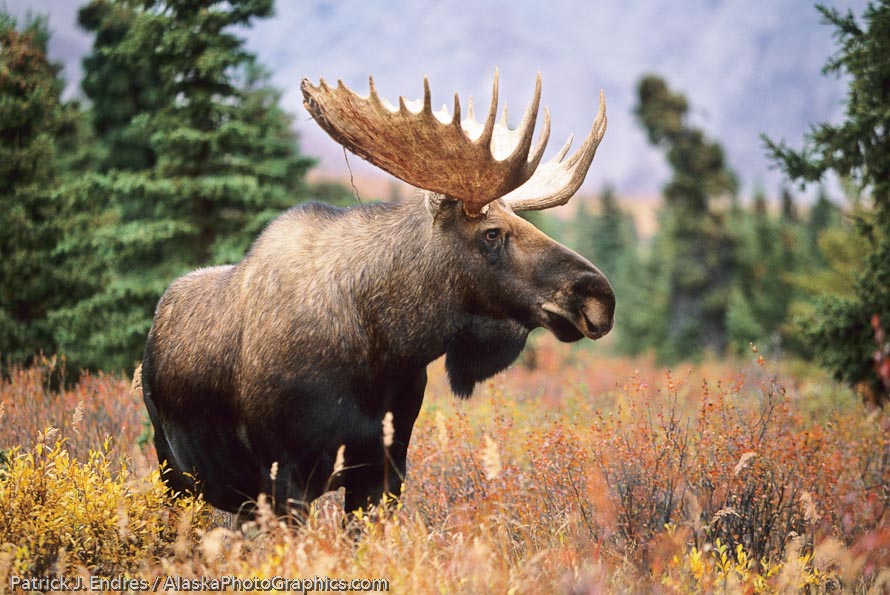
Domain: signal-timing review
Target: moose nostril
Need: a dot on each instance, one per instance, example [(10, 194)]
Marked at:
[(594, 285)]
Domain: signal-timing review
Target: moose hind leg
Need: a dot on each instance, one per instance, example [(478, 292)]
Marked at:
[(173, 475)]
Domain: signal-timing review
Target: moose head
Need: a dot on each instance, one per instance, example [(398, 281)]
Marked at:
[(492, 172), (326, 327)]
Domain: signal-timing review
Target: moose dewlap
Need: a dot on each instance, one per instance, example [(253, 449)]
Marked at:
[(292, 358)]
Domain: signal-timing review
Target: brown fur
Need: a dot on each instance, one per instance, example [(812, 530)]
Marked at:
[(328, 323)]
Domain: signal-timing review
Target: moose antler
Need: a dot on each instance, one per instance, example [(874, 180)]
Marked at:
[(555, 182), (469, 161)]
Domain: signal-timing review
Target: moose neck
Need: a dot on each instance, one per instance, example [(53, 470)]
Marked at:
[(418, 302), (408, 294)]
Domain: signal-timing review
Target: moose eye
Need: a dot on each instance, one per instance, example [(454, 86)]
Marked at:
[(492, 234)]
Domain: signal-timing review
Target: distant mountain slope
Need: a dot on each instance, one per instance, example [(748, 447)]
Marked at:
[(747, 67)]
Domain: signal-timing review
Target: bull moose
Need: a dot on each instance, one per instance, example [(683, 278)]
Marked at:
[(327, 325)]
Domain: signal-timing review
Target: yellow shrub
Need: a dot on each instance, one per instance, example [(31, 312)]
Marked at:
[(714, 568), (57, 511), (568, 478)]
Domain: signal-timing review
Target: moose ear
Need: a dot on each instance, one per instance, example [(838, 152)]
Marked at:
[(480, 350), (437, 204), (440, 206)]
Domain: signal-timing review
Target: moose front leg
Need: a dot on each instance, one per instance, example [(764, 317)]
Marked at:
[(366, 486), (384, 461)]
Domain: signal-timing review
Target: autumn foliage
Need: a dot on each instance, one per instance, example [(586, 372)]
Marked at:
[(570, 473)]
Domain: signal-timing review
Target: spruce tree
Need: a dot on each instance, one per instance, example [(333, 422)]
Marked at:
[(120, 87), (856, 149), (199, 156), (36, 128), (696, 253), (767, 254), (789, 209), (823, 215), (610, 235)]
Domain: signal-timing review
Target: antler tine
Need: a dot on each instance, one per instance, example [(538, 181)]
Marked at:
[(542, 140), (593, 139), (373, 91), (460, 159), (528, 125), (487, 131), (516, 144), (555, 182), (427, 102), (565, 148), (455, 121)]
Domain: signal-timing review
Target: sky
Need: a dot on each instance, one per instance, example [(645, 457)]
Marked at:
[(747, 67)]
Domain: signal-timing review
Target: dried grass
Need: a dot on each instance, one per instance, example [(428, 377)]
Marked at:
[(584, 475)]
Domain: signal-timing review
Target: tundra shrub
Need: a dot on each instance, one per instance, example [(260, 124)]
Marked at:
[(57, 513)]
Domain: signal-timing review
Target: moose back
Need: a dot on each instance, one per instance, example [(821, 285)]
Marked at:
[(300, 350)]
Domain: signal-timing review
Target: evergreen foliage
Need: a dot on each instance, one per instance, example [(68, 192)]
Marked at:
[(823, 215), (36, 129), (198, 157), (182, 159), (605, 237), (121, 87), (768, 251), (789, 209), (695, 255), (185, 154), (856, 149)]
